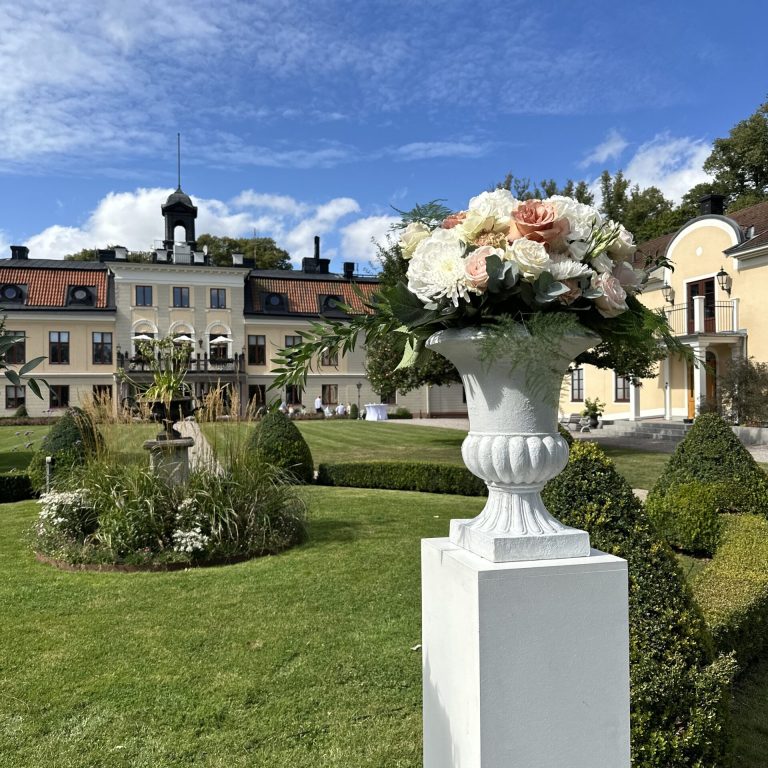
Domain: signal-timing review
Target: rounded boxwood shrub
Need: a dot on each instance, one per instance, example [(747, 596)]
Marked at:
[(689, 516), (711, 453), (277, 441), (354, 411), (679, 690), (73, 437)]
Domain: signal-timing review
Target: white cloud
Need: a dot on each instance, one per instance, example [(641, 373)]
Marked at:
[(609, 149), (358, 237), (134, 220), (427, 150), (674, 165)]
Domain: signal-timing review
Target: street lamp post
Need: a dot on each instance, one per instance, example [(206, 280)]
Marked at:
[(359, 387)]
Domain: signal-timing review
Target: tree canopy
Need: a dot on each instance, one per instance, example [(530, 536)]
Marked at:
[(263, 250)]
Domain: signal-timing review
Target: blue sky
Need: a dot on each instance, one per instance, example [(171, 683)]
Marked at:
[(316, 117)]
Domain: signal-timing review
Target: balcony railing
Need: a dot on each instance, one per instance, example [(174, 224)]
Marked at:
[(197, 363), (698, 317)]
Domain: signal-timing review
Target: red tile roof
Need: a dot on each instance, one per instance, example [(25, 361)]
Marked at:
[(48, 287), (303, 295)]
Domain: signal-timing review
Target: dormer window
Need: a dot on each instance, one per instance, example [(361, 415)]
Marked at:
[(330, 304), (275, 302), (81, 295), (13, 293)]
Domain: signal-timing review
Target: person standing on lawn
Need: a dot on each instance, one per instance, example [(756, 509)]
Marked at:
[(319, 404)]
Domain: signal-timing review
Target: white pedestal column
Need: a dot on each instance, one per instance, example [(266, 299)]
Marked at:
[(526, 664)]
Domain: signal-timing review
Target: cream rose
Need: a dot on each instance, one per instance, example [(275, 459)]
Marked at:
[(614, 299), (531, 257), (630, 279), (411, 236), (623, 247)]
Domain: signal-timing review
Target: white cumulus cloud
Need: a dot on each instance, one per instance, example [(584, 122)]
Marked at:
[(673, 164), (134, 220), (609, 149), (358, 238)]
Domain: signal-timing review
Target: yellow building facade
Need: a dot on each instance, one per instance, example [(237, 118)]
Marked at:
[(714, 301)]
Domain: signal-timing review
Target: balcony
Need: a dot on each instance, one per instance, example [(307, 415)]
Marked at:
[(197, 364), (699, 317)]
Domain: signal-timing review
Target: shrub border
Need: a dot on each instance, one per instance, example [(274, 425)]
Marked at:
[(15, 486)]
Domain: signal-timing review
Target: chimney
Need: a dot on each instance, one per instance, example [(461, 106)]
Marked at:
[(712, 205), (19, 252), (121, 254), (237, 259), (349, 270), (106, 254), (317, 247)]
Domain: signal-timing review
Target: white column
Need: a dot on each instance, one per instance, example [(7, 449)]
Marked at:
[(698, 314), (734, 314), (634, 402), (667, 390), (525, 663), (699, 376)]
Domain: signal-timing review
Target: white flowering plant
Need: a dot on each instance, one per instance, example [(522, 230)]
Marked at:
[(502, 261)]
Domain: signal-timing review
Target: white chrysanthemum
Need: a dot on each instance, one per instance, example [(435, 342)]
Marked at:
[(568, 269), (582, 218), (531, 257), (411, 236), (437, 269)]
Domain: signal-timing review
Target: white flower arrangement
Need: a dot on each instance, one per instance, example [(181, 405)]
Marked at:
[(566, 250)]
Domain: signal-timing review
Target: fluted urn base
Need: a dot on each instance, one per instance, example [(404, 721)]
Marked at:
[(515, 525), (513, 445)]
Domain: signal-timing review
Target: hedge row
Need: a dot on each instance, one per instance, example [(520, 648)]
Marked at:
[(403, 476), (732, 591), (15, 486)]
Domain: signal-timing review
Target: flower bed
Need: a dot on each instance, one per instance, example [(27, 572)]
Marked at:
[(123, 514)]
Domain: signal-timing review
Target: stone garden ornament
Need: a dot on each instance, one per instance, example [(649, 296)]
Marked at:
[(512, 293)]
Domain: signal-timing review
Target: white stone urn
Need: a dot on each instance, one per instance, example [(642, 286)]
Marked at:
[(513, 442)]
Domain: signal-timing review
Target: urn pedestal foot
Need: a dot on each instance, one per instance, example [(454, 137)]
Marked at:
[(515, 525)]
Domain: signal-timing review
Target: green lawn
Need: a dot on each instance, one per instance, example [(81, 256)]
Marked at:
[(17, 444), (304, 659)]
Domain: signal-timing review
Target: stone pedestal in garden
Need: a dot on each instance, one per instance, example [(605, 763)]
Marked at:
[(169, 459), (525, 663)]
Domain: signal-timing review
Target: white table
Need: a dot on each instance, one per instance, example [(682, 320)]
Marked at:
[(375, 412)]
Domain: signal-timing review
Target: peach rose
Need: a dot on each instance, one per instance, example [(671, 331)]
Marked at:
[(573, 293), (477, 274), (455, 218), (538, 221)]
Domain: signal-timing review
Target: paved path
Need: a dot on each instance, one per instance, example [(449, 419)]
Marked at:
[(760, 452), (201, 454)]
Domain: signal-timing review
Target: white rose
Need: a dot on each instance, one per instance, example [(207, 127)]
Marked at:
[(623, 246), (582, 218), (568, 269), (501, 203), (614, 299), (602, 263), (531, 257), (411, 236), (631, 279), (477, 220)]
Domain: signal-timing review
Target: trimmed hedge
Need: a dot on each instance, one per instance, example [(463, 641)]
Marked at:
[(679, 690), (278, 442), (732, 590), (15, 487), (403, 476), (711, 453)]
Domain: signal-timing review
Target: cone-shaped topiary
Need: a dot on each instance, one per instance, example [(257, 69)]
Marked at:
[(711, 453), (279, 442), (679, 693), (69, 441)]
